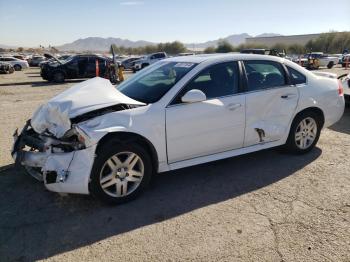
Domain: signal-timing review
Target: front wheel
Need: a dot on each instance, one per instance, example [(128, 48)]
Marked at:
[(17, 67), (58, 77), (120, 172), (304, 133)]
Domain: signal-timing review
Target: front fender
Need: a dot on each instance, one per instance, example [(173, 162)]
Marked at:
[(149, 126)]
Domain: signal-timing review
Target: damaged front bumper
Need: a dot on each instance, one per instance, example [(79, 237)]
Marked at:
[(63, 166)]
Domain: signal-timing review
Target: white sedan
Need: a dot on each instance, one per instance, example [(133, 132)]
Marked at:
[(17, 64), (183, 111)]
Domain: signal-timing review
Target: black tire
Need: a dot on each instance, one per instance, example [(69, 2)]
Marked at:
[(144, 65), (104, 153), (330, 65), (58, 77), (291, 144), (17, 67)]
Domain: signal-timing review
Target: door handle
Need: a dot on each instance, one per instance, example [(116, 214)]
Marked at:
[(288, 96), (233, 107)]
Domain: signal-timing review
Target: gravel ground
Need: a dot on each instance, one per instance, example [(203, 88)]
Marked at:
[(264, 206)]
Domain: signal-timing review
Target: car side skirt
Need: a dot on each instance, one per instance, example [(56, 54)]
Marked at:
[(219, 156)]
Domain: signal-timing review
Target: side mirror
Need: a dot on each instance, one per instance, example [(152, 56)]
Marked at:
[(193, 96)]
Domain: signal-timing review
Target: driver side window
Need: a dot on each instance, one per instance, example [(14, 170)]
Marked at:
[(215, 81)]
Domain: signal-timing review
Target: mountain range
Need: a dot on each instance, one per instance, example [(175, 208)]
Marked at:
[(103, 44)]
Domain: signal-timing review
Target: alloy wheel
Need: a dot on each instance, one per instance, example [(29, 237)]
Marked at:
[(306, 133), (121, 174)]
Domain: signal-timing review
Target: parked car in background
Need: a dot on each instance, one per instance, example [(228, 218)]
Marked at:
[(20, 57), (340, 57), (17, 64), (36, 60), (129, 62), (53, 59), (6, 68), (300, 59), (262, 51), (97, 139), (319, 59), (78, 66), (148, 60), (185, 54)]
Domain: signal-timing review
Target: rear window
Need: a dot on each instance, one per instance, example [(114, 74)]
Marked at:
[(297, 77)]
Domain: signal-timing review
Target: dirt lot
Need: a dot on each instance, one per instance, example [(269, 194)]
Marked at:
[(265, 206)]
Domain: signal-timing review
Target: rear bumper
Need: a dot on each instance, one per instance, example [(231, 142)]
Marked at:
[(65, 172), (335, 111)]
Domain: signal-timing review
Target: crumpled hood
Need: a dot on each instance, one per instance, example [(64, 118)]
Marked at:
[(84, 97)]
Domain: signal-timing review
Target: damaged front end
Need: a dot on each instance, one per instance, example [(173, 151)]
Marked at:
[(52, 145), (62, 164)]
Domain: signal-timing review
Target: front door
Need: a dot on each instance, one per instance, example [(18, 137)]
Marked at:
[(211, 126), (270, 102)]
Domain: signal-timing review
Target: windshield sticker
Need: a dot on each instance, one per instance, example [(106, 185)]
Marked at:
[(185, 65)]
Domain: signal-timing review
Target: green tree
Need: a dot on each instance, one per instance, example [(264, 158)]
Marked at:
[(296, 49), (224, 47), (210, 50), (333, 42)]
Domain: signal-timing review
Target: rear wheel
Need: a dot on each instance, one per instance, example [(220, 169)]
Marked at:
[(304, 133), (120, 172), (330, 65), (17, 67)]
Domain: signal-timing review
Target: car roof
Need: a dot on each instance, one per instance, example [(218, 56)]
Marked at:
[(223, 57)]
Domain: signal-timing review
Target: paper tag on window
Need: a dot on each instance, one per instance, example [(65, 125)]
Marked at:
[(185, 65)]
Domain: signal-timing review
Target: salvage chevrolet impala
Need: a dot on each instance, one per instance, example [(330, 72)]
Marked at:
[(97, 139)]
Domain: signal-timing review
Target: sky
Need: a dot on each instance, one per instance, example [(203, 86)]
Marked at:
[(31, 23)]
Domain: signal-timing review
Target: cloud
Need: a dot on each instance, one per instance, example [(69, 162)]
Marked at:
[(132, 3)]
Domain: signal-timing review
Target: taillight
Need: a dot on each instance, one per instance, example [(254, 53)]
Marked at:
[(340, 88)]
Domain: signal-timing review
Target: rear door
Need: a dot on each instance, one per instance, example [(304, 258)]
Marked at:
[(271, 101), (72, 68), (83, 63), (91, 67)]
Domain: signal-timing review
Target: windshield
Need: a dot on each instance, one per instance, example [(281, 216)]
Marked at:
[(151, 84)]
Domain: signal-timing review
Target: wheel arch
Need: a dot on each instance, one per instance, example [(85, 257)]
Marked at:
[(313, 109), (59, 70), (127, 137)]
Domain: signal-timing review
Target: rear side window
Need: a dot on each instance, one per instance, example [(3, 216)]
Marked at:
[(297, 77), (159, 55), (264, 74)]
